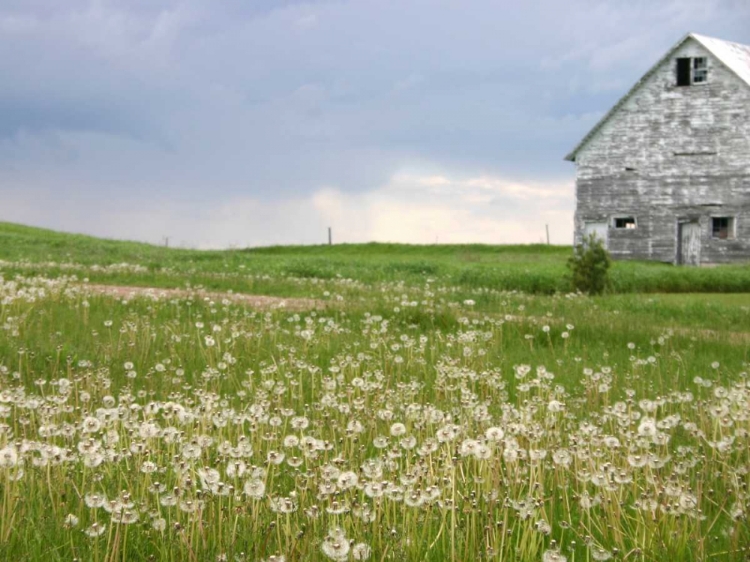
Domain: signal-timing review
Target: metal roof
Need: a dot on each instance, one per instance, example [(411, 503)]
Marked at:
[(735, 56)]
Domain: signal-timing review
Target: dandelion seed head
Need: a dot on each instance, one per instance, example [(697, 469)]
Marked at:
[(553, 556)]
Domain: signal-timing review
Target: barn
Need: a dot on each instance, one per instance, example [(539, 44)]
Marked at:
[(665, 174)]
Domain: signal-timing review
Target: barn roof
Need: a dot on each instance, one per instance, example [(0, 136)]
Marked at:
[(735, 56)]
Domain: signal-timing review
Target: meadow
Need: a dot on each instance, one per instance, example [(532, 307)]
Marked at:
[(535, 268), (416, 407)]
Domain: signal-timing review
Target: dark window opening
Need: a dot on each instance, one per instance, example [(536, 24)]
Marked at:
[(625, 222), (722, 227), (629, 169), (683, 72)]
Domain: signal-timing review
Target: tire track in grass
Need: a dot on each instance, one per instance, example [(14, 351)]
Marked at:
[(261, 302)]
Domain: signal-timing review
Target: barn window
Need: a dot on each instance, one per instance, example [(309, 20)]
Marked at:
[(692, 70), (625, 222), (700, 69), (722, 227)]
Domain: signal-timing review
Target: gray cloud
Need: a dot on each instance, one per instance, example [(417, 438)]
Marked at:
[(118, 104)]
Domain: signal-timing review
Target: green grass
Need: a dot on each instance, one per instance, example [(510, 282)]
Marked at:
[(529, 268), (439, 355), (420, 335)]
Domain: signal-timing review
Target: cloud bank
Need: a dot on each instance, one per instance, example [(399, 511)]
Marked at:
[(409, 208), (267, 121)]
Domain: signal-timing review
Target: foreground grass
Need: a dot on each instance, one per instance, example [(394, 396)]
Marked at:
[(284, 270), (403, 422)]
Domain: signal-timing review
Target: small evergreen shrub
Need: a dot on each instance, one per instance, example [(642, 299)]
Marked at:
[(589, 266)]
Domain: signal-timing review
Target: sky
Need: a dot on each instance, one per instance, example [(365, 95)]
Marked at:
[(239, 123)]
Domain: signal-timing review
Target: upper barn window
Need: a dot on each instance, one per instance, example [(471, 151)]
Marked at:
[(692, 70), (700, 69)]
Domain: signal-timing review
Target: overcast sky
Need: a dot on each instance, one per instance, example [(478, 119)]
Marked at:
[(255, 122)]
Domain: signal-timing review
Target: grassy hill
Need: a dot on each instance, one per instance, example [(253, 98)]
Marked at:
[(532, 268), (38, 244)]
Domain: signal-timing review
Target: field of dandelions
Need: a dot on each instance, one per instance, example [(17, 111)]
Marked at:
[(385, 422)]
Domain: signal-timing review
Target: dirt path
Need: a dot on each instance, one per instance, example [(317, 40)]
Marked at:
[(253, 301), (299, 304)]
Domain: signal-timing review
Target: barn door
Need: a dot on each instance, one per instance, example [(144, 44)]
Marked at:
[(598, 229), (689, 247)]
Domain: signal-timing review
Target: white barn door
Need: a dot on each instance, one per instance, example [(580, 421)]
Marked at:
[(689, 243), (598, 229)]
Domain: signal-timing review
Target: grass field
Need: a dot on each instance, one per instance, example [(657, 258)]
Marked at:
[(535, 269), (440, 403)]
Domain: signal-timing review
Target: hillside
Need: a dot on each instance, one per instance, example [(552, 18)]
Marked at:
[(271, 270), (38, 244)]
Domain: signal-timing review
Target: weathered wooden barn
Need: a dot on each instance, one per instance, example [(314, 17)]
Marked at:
[(665, 174)]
